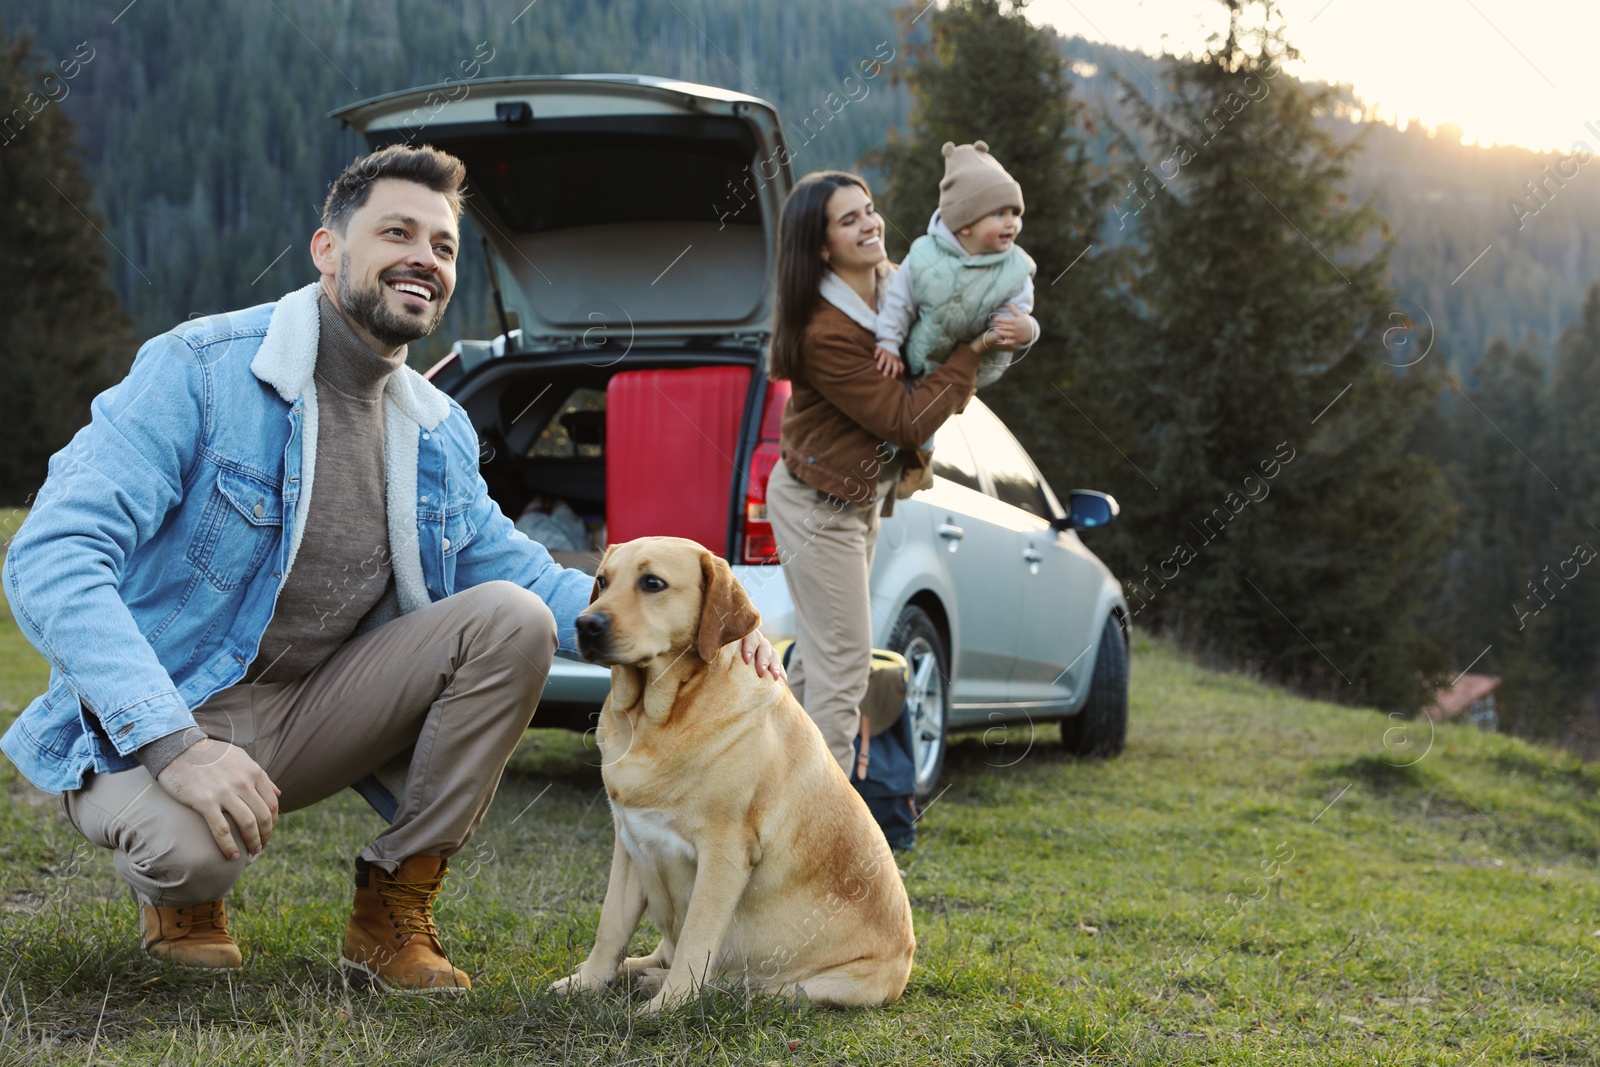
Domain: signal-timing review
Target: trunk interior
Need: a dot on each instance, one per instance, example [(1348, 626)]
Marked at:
[(583, 454)]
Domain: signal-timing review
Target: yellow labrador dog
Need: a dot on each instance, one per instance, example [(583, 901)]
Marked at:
[(736, 831)]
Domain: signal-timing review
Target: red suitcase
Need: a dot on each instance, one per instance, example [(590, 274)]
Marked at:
[(671, 439)]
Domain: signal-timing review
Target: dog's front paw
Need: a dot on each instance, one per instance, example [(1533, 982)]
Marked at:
[(651, 979), (669, 997), (577, 982)]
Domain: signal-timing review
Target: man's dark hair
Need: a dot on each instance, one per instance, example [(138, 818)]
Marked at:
[(423, 164)]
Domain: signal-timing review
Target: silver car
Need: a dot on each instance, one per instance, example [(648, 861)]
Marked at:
[(631, 225)]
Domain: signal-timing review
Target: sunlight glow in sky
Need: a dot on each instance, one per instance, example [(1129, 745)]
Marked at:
[(1504, 71)]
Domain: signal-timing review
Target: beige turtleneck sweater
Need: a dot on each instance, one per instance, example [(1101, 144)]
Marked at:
[(342, 568)]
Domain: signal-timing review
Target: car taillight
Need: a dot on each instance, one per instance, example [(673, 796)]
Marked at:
[(759, 544)]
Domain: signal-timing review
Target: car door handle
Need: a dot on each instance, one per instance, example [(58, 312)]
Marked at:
[(951, 532)]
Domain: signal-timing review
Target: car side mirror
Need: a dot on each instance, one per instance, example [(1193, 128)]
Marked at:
[(1086, 510)]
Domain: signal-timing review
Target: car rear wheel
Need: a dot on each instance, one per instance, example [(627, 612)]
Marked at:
[(1100, 729), (927, 696)]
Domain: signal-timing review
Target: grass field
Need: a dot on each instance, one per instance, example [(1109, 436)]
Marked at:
[(1259, 879)]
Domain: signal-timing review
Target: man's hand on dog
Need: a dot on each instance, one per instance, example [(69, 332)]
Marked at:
[(220, 782), (756, 648)]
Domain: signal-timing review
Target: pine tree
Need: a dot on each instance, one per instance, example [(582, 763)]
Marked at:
[(64, 334), (1300, 532), (1573, 595), (1498, 466), (988, 74)]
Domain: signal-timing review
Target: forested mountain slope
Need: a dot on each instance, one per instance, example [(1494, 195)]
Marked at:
[(1446, 203), (204, 123)]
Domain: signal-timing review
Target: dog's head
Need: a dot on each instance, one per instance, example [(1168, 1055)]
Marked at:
[(662, 596)]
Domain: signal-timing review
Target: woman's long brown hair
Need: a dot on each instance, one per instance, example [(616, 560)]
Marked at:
[(802, 231)]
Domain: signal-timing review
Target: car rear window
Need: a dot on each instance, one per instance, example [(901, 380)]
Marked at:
[(556, 173), (1009, 470), (952, 458)]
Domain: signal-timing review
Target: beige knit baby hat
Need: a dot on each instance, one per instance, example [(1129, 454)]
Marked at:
[(974, 185)]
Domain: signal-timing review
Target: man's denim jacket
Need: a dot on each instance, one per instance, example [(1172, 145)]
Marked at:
[(147, 570)]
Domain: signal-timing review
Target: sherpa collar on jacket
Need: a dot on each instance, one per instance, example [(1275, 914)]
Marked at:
[(288, 357)]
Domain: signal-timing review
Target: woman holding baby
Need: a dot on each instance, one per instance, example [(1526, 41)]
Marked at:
[(847, 329)]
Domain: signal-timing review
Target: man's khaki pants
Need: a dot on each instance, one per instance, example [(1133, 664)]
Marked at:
[(455, 683), (826, 547)]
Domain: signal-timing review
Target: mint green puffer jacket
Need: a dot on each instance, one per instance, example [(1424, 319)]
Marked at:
[(956, 296)]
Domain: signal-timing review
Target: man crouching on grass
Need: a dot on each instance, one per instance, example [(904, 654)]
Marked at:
[(268, 570)]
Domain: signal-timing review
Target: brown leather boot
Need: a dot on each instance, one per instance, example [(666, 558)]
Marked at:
[(391, 941), (189, 935)]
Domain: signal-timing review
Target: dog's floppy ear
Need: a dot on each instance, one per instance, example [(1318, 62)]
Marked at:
[(594, 590), (726, 613)]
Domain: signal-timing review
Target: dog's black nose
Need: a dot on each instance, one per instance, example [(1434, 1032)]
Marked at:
[(593, 626)]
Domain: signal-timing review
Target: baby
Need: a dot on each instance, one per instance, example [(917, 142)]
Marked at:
[(965, 276)]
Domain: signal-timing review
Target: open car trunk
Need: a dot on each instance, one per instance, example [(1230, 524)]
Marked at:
[(632, 231), (617, 208)]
